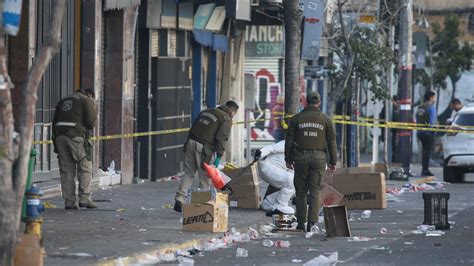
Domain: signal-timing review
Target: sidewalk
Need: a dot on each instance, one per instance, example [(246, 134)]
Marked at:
[(135, 219)]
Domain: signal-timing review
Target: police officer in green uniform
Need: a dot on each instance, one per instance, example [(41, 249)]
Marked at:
[(310, 134), (75, 116), (208, 135)]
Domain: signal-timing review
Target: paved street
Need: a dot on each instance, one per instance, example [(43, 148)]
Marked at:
[(138, 220)]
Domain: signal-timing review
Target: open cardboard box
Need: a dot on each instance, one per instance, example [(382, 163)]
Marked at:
[(245, 187)]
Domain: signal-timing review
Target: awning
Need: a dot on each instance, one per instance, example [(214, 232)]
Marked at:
[(218, 42)]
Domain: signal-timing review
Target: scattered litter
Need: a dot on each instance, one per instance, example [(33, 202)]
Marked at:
[(72, 255), (146, 243), (267, 243), (383, 231), (425, 227), (241, 253), (408, 243), (296, 261), (167, 257), (312, 249), (169, 178), (384, 248), (167, 206), (253, 234), (183, 261), (437, 244), (400, 232), (181, 220), (49, 205), (351, 217), (182, 253), (360, 239), (366, 214), (63, 248), (120, 210), (435, 233), (309, 235), (399, 211), (282, 244), (452, 222), (467, 227), (323, 260), (194, 251), (149, 209), (111, 168), (102, 200), (142, 230)]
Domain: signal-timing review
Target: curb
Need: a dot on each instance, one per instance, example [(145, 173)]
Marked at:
[(145, 257)]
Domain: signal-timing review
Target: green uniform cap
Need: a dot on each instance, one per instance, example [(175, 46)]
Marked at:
[(313, 97)]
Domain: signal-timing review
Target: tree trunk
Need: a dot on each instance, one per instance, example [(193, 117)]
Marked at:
[(293, 22), (13, 173)]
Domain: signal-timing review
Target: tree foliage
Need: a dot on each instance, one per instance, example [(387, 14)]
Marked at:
[(372, 59)]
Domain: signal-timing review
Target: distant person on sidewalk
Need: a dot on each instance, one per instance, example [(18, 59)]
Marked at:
[(272, 169), (278, 111), (310, 134), (74, 119), (207, 136), (456, 106), (426, 117)]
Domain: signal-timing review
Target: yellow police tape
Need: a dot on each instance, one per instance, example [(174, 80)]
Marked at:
[(335, 119)]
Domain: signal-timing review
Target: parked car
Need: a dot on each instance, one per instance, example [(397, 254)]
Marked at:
[(458, 148)]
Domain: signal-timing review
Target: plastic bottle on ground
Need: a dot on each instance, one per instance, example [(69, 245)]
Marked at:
[(241, 253), (366, 214), (267, 243), (282, 244)]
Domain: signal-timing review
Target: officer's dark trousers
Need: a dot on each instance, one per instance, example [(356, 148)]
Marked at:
[(427, 141), (309, 171)]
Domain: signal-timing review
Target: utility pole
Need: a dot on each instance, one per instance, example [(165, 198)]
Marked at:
[(405, 84)]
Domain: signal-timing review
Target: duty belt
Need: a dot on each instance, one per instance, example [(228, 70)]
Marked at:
[(304, 151)]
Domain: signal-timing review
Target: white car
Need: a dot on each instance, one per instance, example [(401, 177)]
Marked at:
[(458, 148)]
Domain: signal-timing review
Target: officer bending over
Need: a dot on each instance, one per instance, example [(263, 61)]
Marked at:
[(208, 135)]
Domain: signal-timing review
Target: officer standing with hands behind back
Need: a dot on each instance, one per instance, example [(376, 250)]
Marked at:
[(208, 135), (310, 134)]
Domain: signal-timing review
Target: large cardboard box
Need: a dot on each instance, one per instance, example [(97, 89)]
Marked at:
[(362, 191), (245, 187), (207, 212)]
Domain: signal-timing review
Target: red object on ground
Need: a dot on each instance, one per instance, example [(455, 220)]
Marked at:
[(214, 175)]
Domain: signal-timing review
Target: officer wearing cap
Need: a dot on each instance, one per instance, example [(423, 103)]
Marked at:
[(207, 136), (310, 135), (75, 116)]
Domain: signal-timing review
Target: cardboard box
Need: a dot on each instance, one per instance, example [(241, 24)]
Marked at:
[(362, 191), (245, 187), (207, 212), (28, 251), (330, 196)]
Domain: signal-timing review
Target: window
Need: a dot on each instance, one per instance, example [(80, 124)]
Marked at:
[(465, 120)]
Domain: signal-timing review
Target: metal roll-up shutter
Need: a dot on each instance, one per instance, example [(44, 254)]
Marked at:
[(254, 64)]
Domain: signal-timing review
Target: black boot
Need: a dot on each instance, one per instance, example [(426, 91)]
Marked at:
[(178, 206), (308, 226), (300, 226)]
